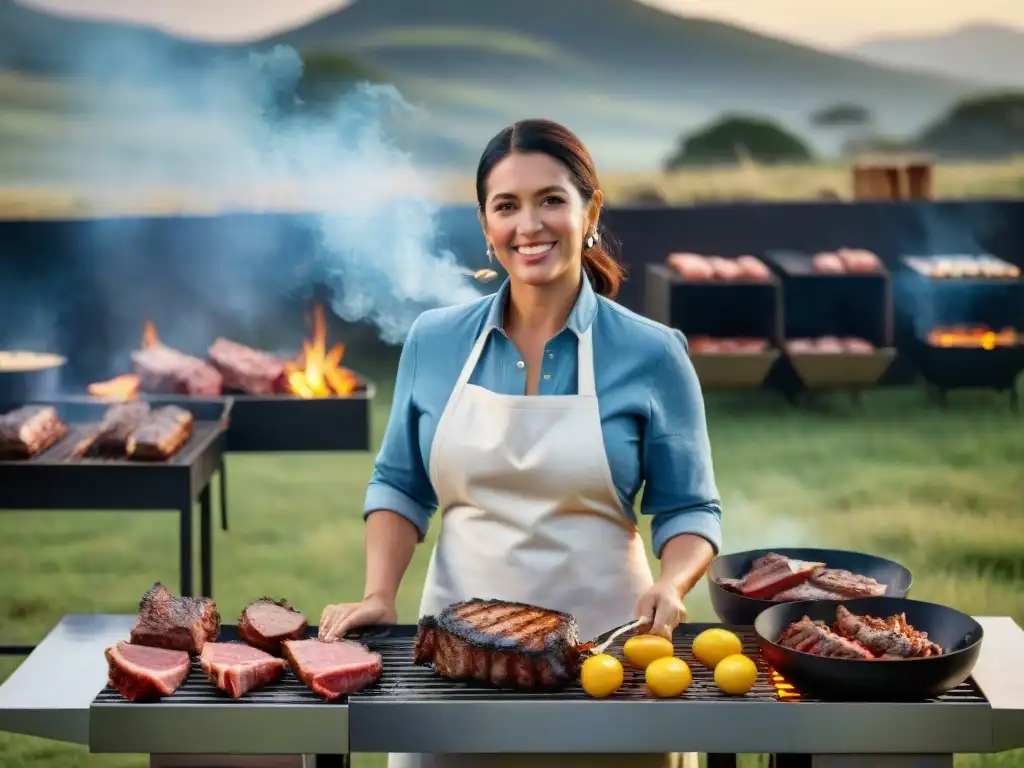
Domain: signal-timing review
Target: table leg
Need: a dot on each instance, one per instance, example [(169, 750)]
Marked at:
[(721, 761), (862, 761), (206, 542), (331, 761), (185, 548), (222, 476)]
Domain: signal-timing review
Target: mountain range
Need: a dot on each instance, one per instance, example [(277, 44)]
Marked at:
[(988, 53), (627, 77)]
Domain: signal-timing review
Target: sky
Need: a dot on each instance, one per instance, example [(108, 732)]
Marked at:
[(832, 24)]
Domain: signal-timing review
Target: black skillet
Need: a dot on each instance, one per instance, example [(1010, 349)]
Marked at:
[(741, 611), (848, 679)]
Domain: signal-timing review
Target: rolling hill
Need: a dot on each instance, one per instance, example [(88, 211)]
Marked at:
[(627, 77)]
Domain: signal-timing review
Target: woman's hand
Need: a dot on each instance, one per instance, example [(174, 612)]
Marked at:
[(338, 619), (662, 605)]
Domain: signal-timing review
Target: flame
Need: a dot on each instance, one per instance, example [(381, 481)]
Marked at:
[(784, 689), (317, 372), (150, 338), (124, 387), (973, 338)]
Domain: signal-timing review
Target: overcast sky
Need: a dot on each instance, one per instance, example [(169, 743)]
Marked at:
[(826, 23)]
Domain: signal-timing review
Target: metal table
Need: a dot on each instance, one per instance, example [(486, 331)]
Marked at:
[(57, 694)]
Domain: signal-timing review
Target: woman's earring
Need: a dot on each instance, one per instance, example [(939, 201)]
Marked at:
[(591, 239), (490, 252)]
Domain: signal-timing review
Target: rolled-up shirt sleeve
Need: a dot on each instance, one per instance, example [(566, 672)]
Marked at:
[(679, 491), (399, 481)]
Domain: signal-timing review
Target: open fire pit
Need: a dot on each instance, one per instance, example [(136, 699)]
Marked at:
[(837, 320), (964, 316), (308, 403), (730, 311)]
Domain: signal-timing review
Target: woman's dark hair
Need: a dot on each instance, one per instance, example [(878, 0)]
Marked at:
[(561, 144)]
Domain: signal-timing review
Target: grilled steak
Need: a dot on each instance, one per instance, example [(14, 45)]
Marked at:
[(168, 371), (774, 573), (815, 637), (29, 430), (247, 370), (139, 673), (161, 434), (509, 645), (891, 637), (118, 425), (236, 668), (175, 623), (333, 670), (267, 623), (832, 584)]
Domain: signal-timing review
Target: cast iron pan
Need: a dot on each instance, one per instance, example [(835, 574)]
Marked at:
[(741, 611), (851, 679)]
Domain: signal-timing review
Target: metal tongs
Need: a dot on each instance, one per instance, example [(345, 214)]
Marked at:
[(603, 642)]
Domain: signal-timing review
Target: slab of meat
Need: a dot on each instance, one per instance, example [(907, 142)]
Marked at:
[(175, 623), (29, 430), (333, 670), (833, 584), (119, 423), (267, 623), (168, 371), (509, 645), (161, 434), (774, 573), (140, 673), (246, 369), (236, 668), (815, 637), (890, 638)]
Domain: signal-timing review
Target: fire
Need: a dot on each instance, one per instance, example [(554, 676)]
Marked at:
[(317, 372), (973, 338), (784, 689), (125, 386), (150, 338)]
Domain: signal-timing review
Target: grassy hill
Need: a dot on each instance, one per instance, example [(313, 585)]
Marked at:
[(627, 77)]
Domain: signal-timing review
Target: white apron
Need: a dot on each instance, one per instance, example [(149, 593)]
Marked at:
[(530, 514)]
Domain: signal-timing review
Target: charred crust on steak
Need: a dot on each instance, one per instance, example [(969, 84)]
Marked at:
[(175, 623), (531, 631)]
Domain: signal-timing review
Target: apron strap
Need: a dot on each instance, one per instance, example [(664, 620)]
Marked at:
[(473, 359), (585, 374)]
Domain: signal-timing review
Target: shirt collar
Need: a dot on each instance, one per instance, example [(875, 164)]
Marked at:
[(580, 318)]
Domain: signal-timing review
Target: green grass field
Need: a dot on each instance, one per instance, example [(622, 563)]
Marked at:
[(941, 491)]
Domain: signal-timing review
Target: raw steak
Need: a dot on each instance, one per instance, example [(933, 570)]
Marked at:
[(333, 670), (140, 673), (247, 370), (510, 645), (29, 430), (267, 623), (773, 573), (161, 434), (237, 668), (168, 371), (175, 623)]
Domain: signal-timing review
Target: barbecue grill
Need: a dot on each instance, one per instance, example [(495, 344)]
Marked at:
[(57, 480), (720, 309), (59, 693), (929, 303), (845, 305)]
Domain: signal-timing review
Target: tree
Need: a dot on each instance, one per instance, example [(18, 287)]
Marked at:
[(735, 137), (990, 126)]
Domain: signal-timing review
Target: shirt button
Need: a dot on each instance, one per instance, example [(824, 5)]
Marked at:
[(520, 364), (547, 377), (551, 355)]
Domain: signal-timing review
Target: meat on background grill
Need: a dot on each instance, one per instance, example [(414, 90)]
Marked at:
[(175, 623), (236, 668), (267, 623), (830, 345), (161, 434), (118, 424), (777, 577), (168, 371), (246, 369), (696, 267), (859, 637), (29, 430), (509, 645), (333, 670), (143, 673)]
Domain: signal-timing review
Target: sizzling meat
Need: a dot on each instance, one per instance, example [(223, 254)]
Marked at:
[(833, 584), (29, 430), (267, 623), (141, 674), (236, 668), (510, 645), (780, 578), (247, 370), (175, 623), (333, 670), (161, 434), (119, 423), (859, 637), (168, 371)]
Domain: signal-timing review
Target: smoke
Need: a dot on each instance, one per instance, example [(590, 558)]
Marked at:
[(213, 124)]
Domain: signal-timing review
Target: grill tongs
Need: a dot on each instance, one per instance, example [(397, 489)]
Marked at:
[(603, 642)]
